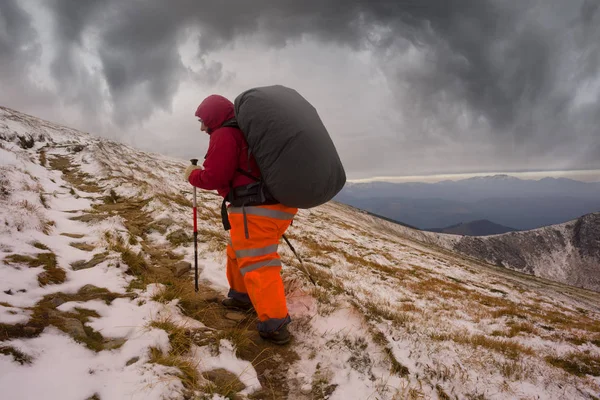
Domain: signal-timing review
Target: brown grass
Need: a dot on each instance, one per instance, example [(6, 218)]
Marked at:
[(189, 375), (510, 349), (16, 354), (136, 262), (579, 364), (40, 246), (43, 158), (78, 179), (44, 313), (73, 235), (52, 274), (82, 246)]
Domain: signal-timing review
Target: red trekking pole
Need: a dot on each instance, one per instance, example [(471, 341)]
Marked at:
[(194, 161)]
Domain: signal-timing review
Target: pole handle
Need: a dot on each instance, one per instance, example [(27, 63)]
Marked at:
[(194, 161)]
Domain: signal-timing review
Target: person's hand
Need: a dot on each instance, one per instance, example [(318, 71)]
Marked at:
[(189, 170)]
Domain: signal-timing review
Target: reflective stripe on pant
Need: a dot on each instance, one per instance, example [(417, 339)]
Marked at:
[(253, 265)]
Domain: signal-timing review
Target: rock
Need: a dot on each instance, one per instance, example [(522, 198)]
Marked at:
[(32, 330), (234, 316), (57, 301), (225, 324), (181, 268), (82, 264), (53, 314), (306, 389), (132, 361), (164, 222), (223, 378), (88, 289), (111, 344), (73, 327), (179, 237), (88, 218), (208, 296)]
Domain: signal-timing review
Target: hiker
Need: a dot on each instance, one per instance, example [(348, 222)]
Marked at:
[(253, 265)]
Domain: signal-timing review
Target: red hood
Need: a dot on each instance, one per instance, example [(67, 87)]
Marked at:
[(214, 111)]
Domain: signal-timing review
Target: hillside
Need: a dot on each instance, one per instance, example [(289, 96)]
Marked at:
[(97, 299), (481, 227), (568, 253)]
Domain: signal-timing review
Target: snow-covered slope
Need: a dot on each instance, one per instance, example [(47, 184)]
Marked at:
[(97, 301), (567, 253)]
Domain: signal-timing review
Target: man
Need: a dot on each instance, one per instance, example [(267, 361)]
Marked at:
[(253, 265)]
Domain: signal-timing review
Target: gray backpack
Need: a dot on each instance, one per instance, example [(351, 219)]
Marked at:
[(298, 162)]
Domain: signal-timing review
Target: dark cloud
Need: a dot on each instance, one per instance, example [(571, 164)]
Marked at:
[(514, 73), (19, 48)]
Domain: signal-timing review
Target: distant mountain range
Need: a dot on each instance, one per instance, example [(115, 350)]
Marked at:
[(508, 201), (481, 227)]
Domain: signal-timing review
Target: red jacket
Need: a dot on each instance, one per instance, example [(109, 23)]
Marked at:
[(227, 150)]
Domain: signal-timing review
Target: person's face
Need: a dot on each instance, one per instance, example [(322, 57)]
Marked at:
[(203, 127)]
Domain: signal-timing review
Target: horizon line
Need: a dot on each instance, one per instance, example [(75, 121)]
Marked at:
[(582, 175)]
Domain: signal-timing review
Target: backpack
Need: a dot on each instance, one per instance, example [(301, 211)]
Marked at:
[(298, 161)]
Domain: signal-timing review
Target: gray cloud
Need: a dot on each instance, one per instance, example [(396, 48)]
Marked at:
[(76, 83), (19, 48), (466, 73)]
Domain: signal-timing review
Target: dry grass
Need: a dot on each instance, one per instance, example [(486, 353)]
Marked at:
[(40, 246), (326, 302), (169, 199), (73, 235), (112, 197), (44, 313), (579, 364), (179, 237), (322, 387), (206, 309), (517, 328), (80, 180), (387, 311), (237, 336), (509, 349), (17, 355), (188, 372), (52, 274), (43, 158), (136, 262), (516, 370), (396, 367), (179, 337), (43, 200), (440, 288), (82, 246)]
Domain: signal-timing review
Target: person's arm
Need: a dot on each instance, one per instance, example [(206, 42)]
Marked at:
[(220, 163)]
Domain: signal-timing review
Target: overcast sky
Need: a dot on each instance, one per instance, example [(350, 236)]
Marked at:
[(404, 87)]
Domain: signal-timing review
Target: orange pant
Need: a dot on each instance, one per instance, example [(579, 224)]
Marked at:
[(253, 265)]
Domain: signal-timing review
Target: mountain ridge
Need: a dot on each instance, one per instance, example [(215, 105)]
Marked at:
[(568, 252), (481, 227)]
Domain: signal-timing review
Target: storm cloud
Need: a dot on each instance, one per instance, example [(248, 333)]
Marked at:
[(478, 83)]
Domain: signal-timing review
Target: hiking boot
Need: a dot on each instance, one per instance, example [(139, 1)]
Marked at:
[(236, 304), (280, 336)]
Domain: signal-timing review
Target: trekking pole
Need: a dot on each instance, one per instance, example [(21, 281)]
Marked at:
[(194, 161), (299, 259)]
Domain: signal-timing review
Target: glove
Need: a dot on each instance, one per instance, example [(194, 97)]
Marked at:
[(189, 170)]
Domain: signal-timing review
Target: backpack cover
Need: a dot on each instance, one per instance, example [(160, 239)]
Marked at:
[(297, 159)]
